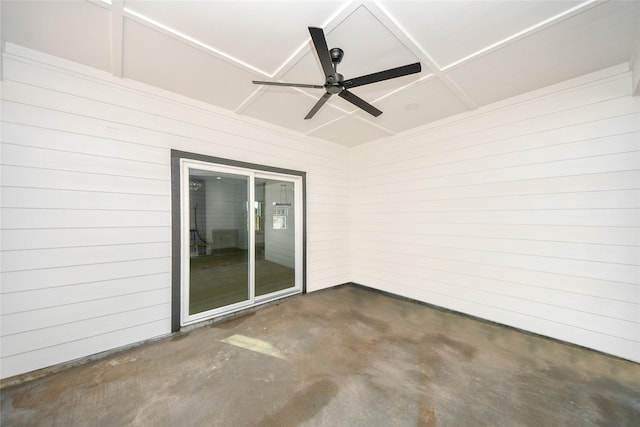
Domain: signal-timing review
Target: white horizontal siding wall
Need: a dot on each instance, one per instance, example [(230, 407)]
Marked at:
[(85, 228), (525, 212)]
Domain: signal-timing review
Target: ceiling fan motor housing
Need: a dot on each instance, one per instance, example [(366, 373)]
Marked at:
[(334, 87)]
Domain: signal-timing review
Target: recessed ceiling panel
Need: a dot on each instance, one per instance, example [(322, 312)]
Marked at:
[(74, 30), (426, 102), (451, 30), (261, 33), (160, 60), (287, 108), (600, 37), (349, 131)]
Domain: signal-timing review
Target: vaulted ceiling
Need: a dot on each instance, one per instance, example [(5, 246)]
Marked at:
[(472, 52)]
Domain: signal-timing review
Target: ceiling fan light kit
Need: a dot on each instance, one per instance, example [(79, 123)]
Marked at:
[(335, 84)]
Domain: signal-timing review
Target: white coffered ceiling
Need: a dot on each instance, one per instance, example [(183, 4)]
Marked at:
[(472, 52)]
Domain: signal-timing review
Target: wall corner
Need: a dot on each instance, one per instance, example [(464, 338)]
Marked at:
[(635, 71)]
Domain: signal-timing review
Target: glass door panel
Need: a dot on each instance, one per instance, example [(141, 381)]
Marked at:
[(275, 236), (218, 240)]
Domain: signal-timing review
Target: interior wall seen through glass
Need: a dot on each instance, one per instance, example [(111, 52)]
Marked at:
[(219, 239), (275, 241)]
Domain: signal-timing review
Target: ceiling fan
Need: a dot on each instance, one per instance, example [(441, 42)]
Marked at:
[(335, 82)]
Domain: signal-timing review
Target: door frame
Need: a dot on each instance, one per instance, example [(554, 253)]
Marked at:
[(177, 246)]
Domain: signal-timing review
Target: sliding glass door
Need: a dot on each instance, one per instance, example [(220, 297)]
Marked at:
[(275, 267), (241, 238)]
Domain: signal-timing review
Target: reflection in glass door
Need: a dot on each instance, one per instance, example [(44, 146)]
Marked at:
[(274, 236), (241, 238), (218, 240)]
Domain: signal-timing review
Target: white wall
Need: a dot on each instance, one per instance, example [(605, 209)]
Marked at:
[(86, 218), (525, 212), (226, 214)]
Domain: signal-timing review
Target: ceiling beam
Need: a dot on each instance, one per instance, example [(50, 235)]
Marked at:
[(117, 28)]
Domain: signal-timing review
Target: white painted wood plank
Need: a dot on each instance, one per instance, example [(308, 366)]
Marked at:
[(524, 171), (26, 197), (605, 146), (601, 324), (13, 176), (459, 281), (570, 217), (136, 96), (515, 316), (195, 139), (603, 271), (33, 320), (550, 233), (55, 101), (179, 135), (507, 128), (604, 289), (580, 251), (615, 199), (581, 336), (15, 218), (31, 136), (33, 259), (70, 350), (600, 132), (81, 274), (616, 180), (39, 158), (60, 296), (49, 238), (41, 338)]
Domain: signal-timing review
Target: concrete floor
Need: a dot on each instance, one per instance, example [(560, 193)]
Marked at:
[(340, 357)]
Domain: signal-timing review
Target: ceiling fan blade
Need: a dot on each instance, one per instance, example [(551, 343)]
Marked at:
[(359, 102), (258, 82), (319, 104), (383, 75), (320, 42)]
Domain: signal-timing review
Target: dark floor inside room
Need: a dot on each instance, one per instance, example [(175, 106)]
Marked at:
[(345, 356), (220, 279)]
